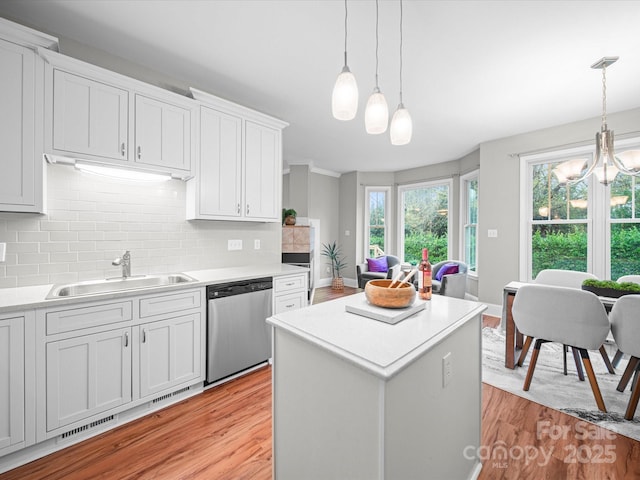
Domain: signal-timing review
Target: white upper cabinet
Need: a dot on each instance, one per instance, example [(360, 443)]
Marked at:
[(104, 117), (89, 117), (163, 134), (21, 104), (239, 164), (263, 172)]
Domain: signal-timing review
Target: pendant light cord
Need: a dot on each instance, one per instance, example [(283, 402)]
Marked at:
[(377, 44), (400, 52), (604, 97), (345, 32)]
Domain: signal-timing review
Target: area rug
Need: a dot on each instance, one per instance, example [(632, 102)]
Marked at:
[(550, 387)]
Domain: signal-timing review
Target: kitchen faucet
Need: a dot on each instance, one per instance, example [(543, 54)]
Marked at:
[(125, 261)]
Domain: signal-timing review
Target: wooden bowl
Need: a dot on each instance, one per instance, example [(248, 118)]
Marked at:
[(379, 294)]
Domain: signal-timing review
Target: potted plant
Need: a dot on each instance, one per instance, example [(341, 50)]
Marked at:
[(333, 253), (611, 288), (288, 216)]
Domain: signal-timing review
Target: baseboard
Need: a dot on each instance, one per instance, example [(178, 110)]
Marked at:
[(326, 282)]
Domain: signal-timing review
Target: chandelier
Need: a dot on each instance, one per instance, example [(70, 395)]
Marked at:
[(606, 164)]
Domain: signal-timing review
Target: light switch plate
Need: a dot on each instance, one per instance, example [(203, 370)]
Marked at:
[(256, 244), (3, 252)]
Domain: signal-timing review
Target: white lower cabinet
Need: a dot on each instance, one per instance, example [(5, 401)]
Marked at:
[(87, 375), (12, 383), (98, 359), (169, 353), (290, 292)]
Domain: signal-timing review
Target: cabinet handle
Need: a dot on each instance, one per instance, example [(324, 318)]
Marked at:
[(290, 305), (126, 339), (139, 152), (144, 335), (238, 209), (122, 149), (247, 209), (289, 284)]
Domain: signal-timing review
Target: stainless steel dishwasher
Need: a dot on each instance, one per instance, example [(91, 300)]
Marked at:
[(238, 337)]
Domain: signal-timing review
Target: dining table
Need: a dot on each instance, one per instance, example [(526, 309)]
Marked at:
[(513, 338)]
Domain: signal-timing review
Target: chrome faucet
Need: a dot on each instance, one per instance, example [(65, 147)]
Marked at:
[(125, 261)]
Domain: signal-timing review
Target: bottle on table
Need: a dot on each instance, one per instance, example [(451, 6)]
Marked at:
[(424, 276)]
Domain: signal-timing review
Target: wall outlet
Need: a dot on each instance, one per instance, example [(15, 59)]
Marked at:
[(256, 244), (234, 245), (492, 233), (347, 233), (447, 370), (3, 252)]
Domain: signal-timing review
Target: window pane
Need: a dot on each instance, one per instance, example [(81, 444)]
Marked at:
[(622, 197), (472, 198), (377, 202), (426, 211), (553, 201), (625, 245), (559, 246), (470, 246)]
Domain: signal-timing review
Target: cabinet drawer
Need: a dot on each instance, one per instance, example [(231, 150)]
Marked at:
[(67, 320), (168, 303), (288, 284), (293, 301)]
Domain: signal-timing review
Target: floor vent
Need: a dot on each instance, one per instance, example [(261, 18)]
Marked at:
[(84, 428), (169, 395)]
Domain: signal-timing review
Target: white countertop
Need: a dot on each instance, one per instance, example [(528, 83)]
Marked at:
[(378, 347), (22, 298)]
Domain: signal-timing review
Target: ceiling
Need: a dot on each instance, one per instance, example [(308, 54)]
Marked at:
[(473, 71)]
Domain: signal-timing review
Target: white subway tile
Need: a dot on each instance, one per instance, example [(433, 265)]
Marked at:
[(54, 247), (33, 236), (81, 226), (32, 258), (21, 270), (46, 225), (49, 268), (30, 280), (61, 278), (22, 247), (63, 236), (69, 257), (82, 246)]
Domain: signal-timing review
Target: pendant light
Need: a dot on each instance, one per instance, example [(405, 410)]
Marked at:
[(606, 165), (376, 115), (401, 125), (344, 100)]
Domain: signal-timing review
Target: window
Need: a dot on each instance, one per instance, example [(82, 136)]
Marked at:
[(469, 219), (624, 208), (586, 226), (424, 221), (376, 219)]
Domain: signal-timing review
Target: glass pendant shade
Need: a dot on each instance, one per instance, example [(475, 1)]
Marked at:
[(630, 160), (606, 169), (570, 170), (401, 127), (344, 100), (376, 115)]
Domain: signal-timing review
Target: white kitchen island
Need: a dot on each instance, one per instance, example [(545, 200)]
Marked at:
[(356, 398)]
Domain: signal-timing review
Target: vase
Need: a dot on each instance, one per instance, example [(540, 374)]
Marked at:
[(337, 283), (289, 220), (607, 292)]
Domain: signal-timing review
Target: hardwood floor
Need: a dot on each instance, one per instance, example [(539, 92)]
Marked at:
[(225, 433)]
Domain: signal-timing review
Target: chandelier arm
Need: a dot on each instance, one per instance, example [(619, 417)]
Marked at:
[(592, 167)]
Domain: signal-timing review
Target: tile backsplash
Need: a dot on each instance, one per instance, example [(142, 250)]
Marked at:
[(92, 220)]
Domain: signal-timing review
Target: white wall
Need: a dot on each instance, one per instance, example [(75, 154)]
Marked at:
[(92, 220)]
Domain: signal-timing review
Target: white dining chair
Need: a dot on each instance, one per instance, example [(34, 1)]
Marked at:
[(565, 315), (625, 326), (570, 279), (629, 278)]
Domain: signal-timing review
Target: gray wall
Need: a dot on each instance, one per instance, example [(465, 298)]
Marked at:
[(324, 205), (499, 196)]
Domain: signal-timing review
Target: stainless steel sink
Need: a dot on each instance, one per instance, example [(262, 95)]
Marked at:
[(117, 285)]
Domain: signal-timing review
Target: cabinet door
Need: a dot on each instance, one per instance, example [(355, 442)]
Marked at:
[(169, 353), (12, 384), (220, 164), (263, 168), (87, 375), (163, 134), (89, 117), (21, 178)]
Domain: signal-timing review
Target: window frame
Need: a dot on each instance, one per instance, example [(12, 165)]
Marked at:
[(464, 216), (368, 189), (598, 219), (400, 209)]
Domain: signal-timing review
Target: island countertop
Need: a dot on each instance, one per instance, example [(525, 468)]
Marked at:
[(378, 347)]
